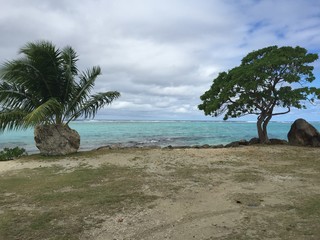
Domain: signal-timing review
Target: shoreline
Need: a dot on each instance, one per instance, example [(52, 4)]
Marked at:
[(243, 142), (234, 144), (98, 134)]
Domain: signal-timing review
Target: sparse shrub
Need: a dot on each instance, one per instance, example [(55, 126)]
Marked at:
[(11, 153)]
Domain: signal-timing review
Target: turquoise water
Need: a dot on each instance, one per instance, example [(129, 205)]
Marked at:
[(145, 133)]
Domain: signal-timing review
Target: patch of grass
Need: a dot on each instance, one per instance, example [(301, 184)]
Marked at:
[(177, 177), (228, 164), (298, 220), (248, 176), (80, 154), (285, 169), (309, 169), (46, 203), (195, 173), (310, 207)]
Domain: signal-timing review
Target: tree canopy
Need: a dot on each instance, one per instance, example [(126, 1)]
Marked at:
[(45, 86), (267, 83)]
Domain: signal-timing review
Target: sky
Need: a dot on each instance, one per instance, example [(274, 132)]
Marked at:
[(162, 55)]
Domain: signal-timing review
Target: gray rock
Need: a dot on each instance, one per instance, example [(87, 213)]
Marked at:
[(196, 146), (107, 147), (217, 146), (243, 142), (304, 134), (233, 144), (205, 146), (276, 141), (169, 147), (253, 141), (56, 139)]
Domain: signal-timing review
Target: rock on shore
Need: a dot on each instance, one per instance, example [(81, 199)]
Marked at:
[(304, 134), (56, 139)]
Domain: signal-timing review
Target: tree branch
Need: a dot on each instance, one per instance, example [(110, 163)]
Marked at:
[(275, 114)]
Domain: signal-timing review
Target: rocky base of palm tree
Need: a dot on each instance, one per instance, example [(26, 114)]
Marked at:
[(56, 139)]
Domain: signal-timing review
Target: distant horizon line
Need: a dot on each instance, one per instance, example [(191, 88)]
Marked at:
[(180, 120)]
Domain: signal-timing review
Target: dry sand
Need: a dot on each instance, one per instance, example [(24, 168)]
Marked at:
[(237, 193)]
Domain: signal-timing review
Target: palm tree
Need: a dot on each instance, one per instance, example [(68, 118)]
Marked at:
[(45, 87)]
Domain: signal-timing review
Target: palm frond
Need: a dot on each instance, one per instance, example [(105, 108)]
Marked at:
[(12, 119), (70, 59), (87, 81), (24, 72), (96, 102), (19, 71), (81, 92), (70, 70), (31, 49), (46, 59), (15, 96), (43, 113)]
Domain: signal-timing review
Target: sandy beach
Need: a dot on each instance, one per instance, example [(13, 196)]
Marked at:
[(251, 192)]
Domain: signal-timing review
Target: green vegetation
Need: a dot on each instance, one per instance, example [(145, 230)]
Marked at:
[(48, 203), (12, 153), (44, 86), (266, 82), (248, 176)]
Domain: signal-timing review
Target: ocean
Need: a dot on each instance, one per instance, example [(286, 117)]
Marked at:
[(99, 133)]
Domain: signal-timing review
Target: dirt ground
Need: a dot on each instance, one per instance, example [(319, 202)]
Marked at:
[(252, 192)]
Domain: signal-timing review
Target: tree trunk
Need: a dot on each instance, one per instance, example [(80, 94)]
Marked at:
[(265, 125), (262, 124)]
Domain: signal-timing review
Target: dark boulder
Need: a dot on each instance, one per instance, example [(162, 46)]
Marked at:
[(56, 139), (243, 142), (205, 146), (217, 146), (304, 134), (276, 141), (253, 141), (233, 144)]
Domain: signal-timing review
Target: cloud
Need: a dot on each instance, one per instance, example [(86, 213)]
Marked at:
[(161, 55)]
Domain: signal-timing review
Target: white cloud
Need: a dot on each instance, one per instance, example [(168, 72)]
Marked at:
[(161, 55)]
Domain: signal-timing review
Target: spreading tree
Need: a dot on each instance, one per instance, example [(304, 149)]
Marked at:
[(267, 83)]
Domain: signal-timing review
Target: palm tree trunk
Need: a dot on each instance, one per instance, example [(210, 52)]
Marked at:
[(58, 119)]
